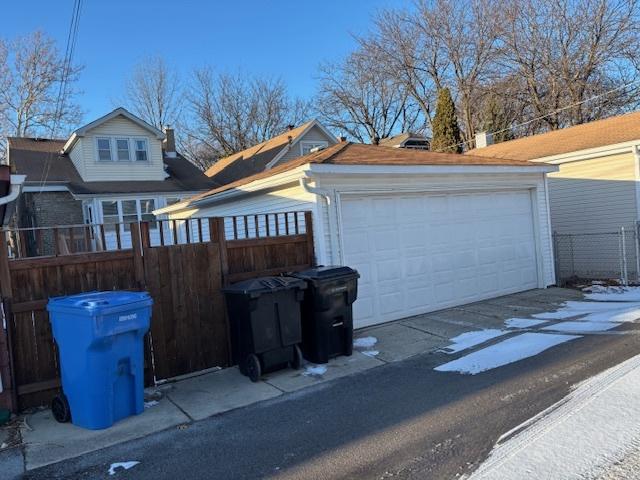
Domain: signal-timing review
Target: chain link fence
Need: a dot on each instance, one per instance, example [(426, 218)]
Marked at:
[(613, 256)]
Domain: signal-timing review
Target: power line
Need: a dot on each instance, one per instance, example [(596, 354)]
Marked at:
[(566, 107), (72, 38)]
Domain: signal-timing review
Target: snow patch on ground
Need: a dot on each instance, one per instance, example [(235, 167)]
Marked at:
[(582, 326), (370, 353), (365, 342), (522, 322), (150, 403), (594, 312), (471, 339), (505, 352), (123, 465), (607, 293), (315, 370), (581, 437)]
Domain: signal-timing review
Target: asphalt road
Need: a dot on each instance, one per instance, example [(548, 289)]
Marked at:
[(402, 420)]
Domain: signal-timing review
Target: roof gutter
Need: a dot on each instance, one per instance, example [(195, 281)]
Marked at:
[(17, 181)]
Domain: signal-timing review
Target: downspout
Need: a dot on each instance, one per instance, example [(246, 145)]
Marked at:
[(326, 195)]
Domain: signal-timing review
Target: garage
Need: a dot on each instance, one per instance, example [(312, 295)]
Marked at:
[(425, 230), (422, 252)]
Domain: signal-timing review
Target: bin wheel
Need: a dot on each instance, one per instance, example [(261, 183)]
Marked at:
[(60, 408), (296, 363), (252, 367)]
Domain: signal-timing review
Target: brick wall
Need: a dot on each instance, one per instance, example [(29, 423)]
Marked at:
[(48, 209)]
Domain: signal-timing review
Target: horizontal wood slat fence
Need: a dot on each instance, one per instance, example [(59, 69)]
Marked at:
[(183, 264)]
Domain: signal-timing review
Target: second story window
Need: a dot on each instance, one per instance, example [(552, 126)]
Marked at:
[(123, 149), (104, 149), (141, 150)]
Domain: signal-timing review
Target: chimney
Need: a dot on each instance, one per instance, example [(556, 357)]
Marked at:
[(290, 127), (376, 140), (484, 139), (343, 139), (169, 143)]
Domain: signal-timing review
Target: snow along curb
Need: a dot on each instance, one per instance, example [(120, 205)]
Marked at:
[(577, 437)]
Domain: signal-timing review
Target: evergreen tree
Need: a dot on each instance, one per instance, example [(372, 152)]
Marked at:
[(446, 133)]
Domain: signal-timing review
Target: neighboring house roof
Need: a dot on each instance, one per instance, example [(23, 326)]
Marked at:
[(259, 157), (347, 153), (40, 160), (81, 132), (609, 131), (400, 139)]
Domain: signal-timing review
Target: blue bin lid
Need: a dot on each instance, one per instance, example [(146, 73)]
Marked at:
[(94, 302)]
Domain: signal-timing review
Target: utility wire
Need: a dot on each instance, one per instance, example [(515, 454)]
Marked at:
[(566, 107), (72, 38)]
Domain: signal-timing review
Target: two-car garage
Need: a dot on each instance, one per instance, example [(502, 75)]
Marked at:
[(425, 230), (423, 252)]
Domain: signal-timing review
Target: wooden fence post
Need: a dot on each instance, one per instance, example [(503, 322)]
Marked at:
[(308, 225), (138, 265), (6, 322), (216, 232)]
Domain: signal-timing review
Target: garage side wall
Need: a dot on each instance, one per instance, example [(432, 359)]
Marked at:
[(329, 215)]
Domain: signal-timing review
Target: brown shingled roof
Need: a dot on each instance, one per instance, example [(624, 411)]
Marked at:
[(609, 131), (40, 159), (253, 159), (346, 153)]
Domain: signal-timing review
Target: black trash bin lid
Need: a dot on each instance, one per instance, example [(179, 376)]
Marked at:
[(265, 285), (327, 272)]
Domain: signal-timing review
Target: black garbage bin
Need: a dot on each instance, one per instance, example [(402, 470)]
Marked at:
[(327, 312), (264, 315)]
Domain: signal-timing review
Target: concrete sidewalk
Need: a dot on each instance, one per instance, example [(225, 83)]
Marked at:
[(175, 405)]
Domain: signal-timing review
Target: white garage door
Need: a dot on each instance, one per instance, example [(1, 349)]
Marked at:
[(422, 252)]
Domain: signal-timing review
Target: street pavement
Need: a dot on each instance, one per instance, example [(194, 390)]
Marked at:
[(400, 420)]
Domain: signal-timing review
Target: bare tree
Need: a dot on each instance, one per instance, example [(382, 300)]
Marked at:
[(438, 44), (361, 100), (569, 51), (34, 99), (231, 112), (153, 92)]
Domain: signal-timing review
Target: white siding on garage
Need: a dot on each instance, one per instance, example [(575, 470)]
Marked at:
[(594, 195), (84, 154), (428, 183)]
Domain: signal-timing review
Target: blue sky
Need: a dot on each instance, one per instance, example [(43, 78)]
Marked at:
[(283, 38)]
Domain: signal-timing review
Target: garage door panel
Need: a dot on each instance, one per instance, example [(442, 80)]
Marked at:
[(422, 252)]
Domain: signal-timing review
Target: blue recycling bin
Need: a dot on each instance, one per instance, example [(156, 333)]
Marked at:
[(101, 349)]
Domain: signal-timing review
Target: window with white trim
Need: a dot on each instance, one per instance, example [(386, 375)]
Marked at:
[(104, 149), (122, 149), (306, 147), (127, 211), (141, 150)]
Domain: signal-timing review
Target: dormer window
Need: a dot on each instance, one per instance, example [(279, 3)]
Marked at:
[(141, 150), (123, 149), (104, 149)]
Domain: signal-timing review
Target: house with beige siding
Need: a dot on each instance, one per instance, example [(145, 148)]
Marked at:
[(293, 143), (111, 172), (595, 192)]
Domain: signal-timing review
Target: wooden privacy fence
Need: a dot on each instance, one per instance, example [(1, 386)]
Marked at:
[(182, 264)]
